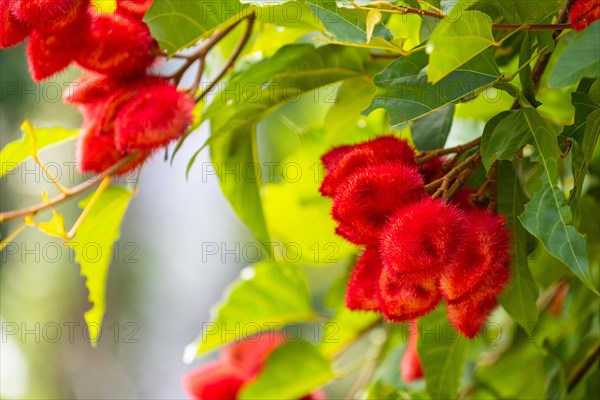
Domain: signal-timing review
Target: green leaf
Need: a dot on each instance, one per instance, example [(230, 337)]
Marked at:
[(525, 72), (503, 135), (267, 296), (346, 25), (403, 90), (546, 216), (472, 30), (518, 11), (580, 58), (442, 351), (292, 371), (235, 158), (177, 24), (431, 131), (93, 248), (32, 141), (520, 295)]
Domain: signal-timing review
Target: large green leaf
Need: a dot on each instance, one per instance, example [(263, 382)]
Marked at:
[(177, 24), (403, 90), (458, 38), (345, 328), (547, 216), (33, 140), (292, 371), (346, 25), (581, 58), (235, 158), (519, 11), (267, 296), (431, 131), (93, 248), (520, 295), (503, 135), (442, 351)]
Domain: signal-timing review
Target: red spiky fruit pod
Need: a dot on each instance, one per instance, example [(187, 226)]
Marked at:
[(483, 260), (410, 364), (318, 394), (342, 162), (364, 280), (214, 381), (364, 202), (50, 53), (401, 301), (469, 314), (118, 46), (432, 169), (135, 9), (12, 31), (421, 240), (583, 13), (157, 115), (462, 199), (49, 16), (90, 89), (251, 353)]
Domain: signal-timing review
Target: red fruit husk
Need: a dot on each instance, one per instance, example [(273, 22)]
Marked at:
[(468, 315), (482, 261), (90, 89), (583, 13), (432, 169), (49, 16), (135, 9), (157, 115), (364, 279), (401, 301), (342, 162), (367, 198), (250, 353), (117, 46), (462, 199), (214, 381), (12, 31), (410, 365), (421, 240)]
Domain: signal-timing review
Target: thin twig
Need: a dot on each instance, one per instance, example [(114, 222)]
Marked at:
[(236, 53), (443, 184), (460, 149), (581, 371), (68, 193)]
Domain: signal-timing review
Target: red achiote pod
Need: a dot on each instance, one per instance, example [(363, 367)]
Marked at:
[(421, 240), (364, 280), (367, 198), (118, 46), (482, 261), (342, 162), (583, 13), (135, 9), (410, 365), (251, 353), (469, 314), (49, 16), (401, 301), (214, 381), (12, 31), (432, 169)]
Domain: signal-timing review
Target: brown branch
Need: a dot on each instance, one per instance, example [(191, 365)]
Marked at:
[(531, 27), (9, 215), (236, 53), (581, 371), (426, 156), (443, 184)]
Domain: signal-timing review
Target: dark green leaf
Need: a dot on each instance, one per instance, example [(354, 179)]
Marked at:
[(580, 58), (292, 371), (403, 90), (177, 24), (442, 351), (518, 11), (267, 296), (431, 131), (93, 248), (520, 295), (525, 72), (546, 216)]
